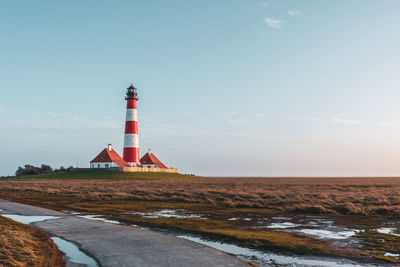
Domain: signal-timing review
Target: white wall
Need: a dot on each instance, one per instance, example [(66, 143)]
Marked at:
[(103, 165)]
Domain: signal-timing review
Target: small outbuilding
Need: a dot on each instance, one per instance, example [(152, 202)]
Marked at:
[(149, 160), (108, 158)]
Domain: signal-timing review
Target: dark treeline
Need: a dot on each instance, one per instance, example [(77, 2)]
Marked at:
[(32, 170)]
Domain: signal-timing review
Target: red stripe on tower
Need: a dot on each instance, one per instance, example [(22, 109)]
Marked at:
[(131, 139)]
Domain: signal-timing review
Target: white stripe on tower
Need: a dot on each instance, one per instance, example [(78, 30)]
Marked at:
[(131, 114), (131, 138)]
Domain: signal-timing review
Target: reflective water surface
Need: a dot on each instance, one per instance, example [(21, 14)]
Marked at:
[(73, 253), (28, 219), (267, 259)]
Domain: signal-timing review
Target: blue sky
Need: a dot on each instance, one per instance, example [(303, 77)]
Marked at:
[(227, 87)]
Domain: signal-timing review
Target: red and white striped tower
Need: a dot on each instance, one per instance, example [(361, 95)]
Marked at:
[(131, 139)]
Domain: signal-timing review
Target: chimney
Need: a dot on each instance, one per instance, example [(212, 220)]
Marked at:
[(149, 151), (109, 147)]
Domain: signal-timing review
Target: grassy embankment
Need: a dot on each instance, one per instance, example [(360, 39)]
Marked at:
[(101, 175), (22, 245)]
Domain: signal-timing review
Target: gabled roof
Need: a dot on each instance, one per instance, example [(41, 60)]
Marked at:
[(109, 155), (149, 158)]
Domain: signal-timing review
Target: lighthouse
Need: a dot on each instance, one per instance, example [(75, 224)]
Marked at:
[(131, 138)]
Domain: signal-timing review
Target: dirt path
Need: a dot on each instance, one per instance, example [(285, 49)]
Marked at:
[(118, 245)]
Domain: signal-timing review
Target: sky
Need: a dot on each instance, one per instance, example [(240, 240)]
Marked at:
[(226, 87)]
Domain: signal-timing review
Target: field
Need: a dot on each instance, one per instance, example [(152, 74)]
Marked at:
[(22, 245), (238, 210), (316, 195)]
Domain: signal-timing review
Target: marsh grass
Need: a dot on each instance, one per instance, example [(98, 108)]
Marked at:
[(22, 245), (376, 244), (303, 195)]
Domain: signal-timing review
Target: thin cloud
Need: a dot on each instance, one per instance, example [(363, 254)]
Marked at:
[(187, 114), (234, 113), (337, 121), (274, 23), (346, 121), (294, 12), (315, 120), (389, 124)]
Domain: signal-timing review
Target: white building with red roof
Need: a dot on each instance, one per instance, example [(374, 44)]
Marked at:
[(149, 160), (108, 158)]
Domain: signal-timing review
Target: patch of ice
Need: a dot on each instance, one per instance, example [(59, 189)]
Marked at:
[(327, 234), (98, 218), (28, 219), (387, 230), (388, 254), (233, 219), (168, 213), (247, 219), (282, 225)]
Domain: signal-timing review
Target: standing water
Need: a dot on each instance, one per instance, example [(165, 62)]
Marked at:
[(74, 254), (267, 259)]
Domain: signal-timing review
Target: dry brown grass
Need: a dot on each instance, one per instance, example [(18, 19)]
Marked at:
[(22, 245), (321, 195)]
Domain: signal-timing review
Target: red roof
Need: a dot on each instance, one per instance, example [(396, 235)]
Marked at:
[(149, 158), (110, 156)]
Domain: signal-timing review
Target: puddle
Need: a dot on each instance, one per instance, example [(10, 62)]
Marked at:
[(327, 234), (29, 219), (282, 218), (281, 225), (237, 219), (268, 259), (73, 253), (98, 218), (386, 230), (313, 226), (388, 254), (318, 222), (168, 213)]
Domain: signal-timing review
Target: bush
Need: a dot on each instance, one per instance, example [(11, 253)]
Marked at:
[(32, 170)]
